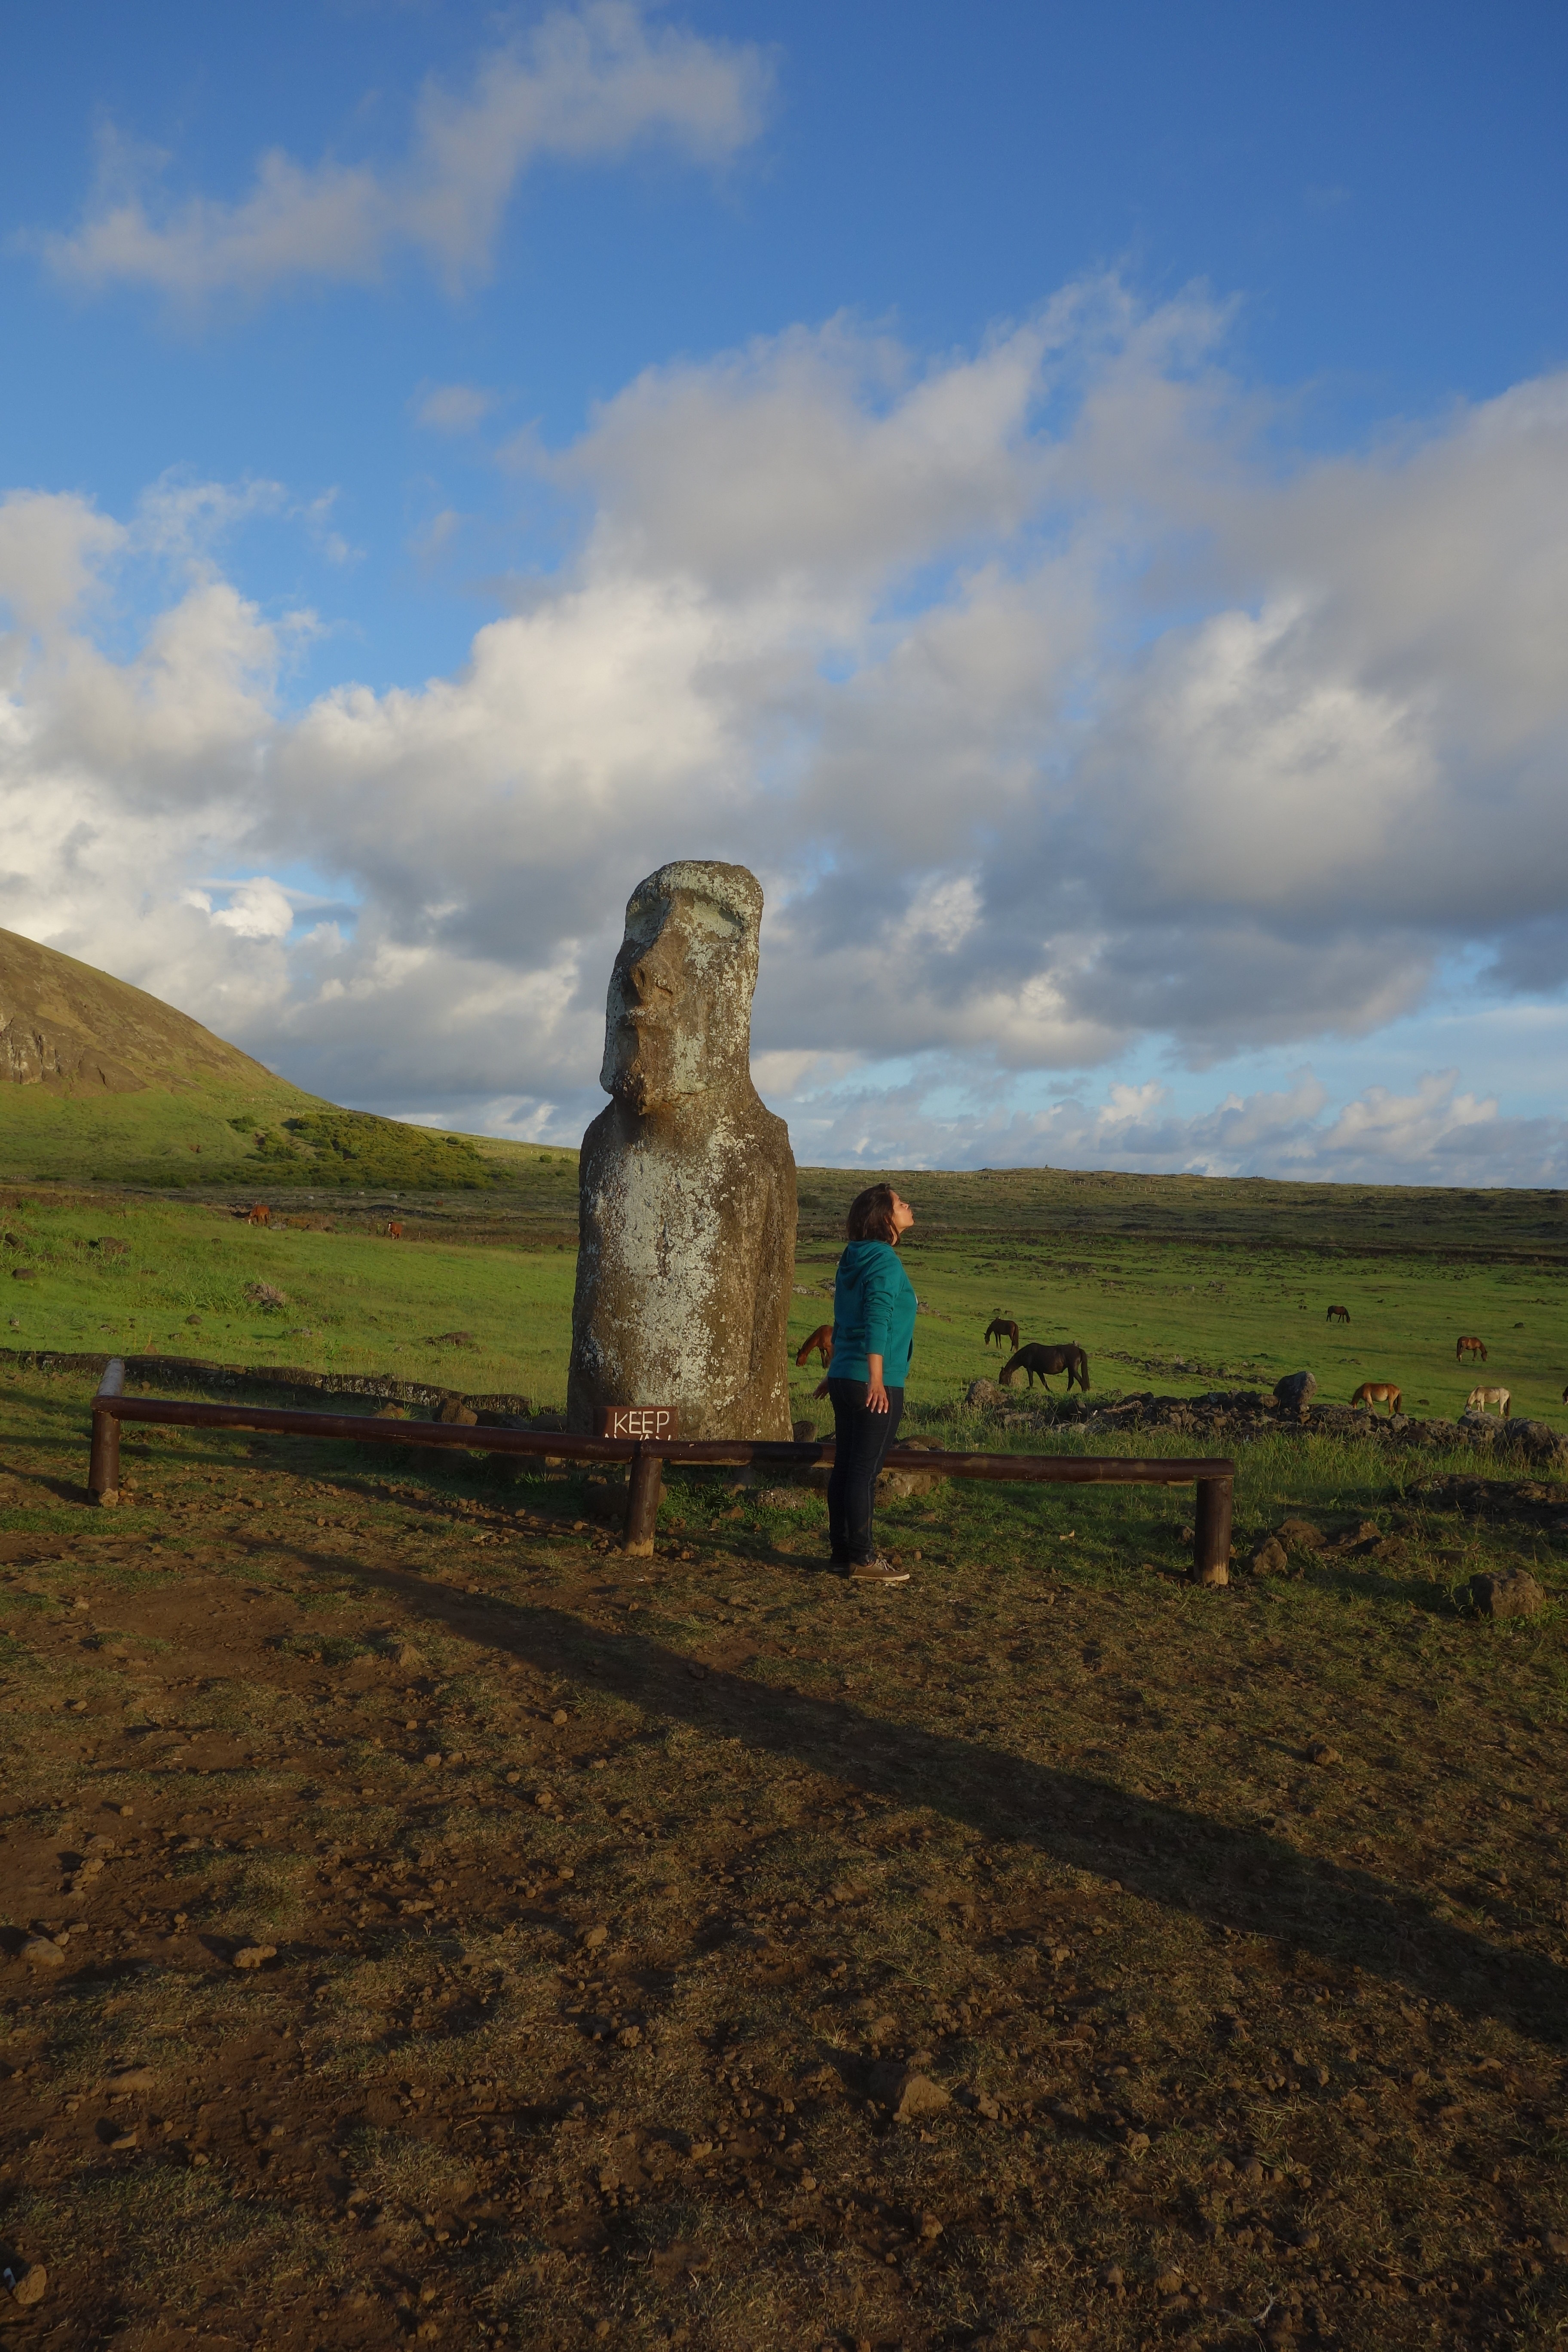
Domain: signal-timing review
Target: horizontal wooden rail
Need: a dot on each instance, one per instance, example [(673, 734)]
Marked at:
[(1213, 1475)]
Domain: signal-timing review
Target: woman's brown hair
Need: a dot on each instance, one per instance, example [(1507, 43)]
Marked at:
[(871, 1217)]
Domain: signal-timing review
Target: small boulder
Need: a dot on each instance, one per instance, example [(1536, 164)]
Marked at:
[(1269, 1559), (1294, 1389), (1300, 1535), (905, 2094), (129, 2078), (25, 2282), (43, 1952), (1512, 1592), (1319, 1752), (255, 1956), (982, 1396)]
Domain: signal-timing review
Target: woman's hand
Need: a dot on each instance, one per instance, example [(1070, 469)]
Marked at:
[(819, 1390), (875, 1395)]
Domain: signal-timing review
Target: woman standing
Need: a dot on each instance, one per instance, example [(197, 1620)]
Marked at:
[(873, 1339)]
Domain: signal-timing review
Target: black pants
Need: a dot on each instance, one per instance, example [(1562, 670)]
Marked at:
[(861, 1437)]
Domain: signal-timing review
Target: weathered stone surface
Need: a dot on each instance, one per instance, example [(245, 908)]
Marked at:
[(1510, 1592), (687, 1201), (1300, 1535), (1269, 1559), (1536, 1440), (981, 1395), (1295, 1389)]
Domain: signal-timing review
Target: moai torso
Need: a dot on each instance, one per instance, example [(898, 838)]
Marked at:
[(687, 1187)]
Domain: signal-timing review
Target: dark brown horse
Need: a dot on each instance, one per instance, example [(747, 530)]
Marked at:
[(822, 1341), (1069, 1358), (1338, 1315), (999, 1330), (1469, 1346)]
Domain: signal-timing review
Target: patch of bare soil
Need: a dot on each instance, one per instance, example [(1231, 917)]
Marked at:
[(424, 1925)]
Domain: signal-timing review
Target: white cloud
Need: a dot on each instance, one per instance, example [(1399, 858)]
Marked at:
[(1053, 719), (586, 85), (453, 407), (1437, 1135)]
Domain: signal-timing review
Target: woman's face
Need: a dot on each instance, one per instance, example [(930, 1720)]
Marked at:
[(903, 1216)]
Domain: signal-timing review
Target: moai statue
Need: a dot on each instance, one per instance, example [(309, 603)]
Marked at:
[(687, 1184)]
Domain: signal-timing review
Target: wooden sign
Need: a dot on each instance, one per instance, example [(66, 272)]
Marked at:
[(645, 1422)]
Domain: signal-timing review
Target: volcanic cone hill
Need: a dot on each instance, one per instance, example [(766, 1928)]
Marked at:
[(101, 1083)]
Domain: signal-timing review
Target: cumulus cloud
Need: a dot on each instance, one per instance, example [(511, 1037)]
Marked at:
[(1057, 718), (586, 85), (1437, 1134), (453, 407)]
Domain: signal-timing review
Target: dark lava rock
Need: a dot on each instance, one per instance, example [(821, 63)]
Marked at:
[(1294, 1389)]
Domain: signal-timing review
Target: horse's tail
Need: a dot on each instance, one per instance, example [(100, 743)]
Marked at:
[(1081, 1363)]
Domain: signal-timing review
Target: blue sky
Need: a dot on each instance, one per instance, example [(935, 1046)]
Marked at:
[(1075, 497)]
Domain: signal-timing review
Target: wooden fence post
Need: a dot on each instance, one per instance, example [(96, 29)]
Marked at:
[(1211, 1531), (643, 1488), (103, 1463)]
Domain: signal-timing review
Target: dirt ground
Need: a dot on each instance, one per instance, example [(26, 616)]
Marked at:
[(425, 1924)]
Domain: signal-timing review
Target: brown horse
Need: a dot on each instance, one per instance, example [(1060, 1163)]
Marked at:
[(395, 1231), (822, 1341), (1338, 1315), (1373, 1392), (1470, 1347), (260, 1215), (998, 1330), (1069, 1358)]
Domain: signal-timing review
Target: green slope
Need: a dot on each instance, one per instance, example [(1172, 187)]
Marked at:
[(102, 1083)]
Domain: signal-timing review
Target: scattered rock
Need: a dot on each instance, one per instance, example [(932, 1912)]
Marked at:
[(453, 1414), (406, 1654), (255, 1956), (803, 1433), (1319, 1752), (1269, 1559), (43, 1952), (784, 1498), (905, 2093), (1510, 1592), (131, 2078), (591, 1937), (983, 1395), (1295, 1389), (1169, 2281), (26, 2281), (1136, 2145), (1300, 1535)]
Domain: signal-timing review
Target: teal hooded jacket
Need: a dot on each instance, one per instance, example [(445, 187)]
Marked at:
[(873, 1314)]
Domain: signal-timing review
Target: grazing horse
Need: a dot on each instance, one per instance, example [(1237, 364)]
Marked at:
[(1470, 1347), (999, 1330), (1479, 1399), (822, 1341), (1373, 1392), (1069, 1358), (1338, 1315), (395, 1231), (260, 1215)]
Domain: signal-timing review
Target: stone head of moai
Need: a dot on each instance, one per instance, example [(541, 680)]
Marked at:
[(678, 1018)]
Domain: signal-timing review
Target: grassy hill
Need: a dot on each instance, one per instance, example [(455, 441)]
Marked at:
[(102, 1083)]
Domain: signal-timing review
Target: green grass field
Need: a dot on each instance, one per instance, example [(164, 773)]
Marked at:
[(1178, 1314)]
